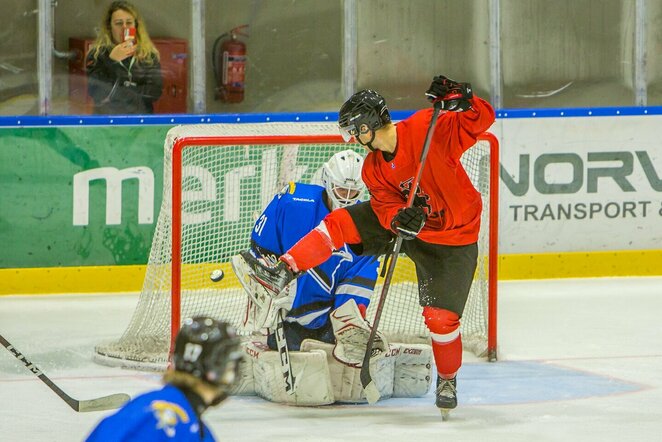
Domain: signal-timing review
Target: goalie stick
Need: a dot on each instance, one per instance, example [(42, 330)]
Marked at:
[(284, 354), (102, 403), (371, 390)]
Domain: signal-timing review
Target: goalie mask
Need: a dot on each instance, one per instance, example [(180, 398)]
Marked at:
[(209, 350), (364, 111), (341, 177)]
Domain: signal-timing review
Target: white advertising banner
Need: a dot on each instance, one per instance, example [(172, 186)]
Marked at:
[(580, 184)]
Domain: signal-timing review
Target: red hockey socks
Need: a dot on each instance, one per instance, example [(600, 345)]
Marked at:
[(446, 340)]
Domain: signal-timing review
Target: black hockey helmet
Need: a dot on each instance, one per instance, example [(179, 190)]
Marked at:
[(364, 107), (208, 349)]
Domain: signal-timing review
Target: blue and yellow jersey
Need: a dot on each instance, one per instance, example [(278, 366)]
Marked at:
[(161, 415)]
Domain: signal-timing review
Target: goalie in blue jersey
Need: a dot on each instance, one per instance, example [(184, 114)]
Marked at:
[(345, 280), (317, 323)]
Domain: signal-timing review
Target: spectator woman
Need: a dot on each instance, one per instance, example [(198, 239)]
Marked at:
[(123, 69)]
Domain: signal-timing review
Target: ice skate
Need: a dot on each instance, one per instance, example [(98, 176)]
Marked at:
[(446, 396)]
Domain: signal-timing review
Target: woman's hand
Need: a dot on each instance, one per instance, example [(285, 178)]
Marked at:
[(122, 51)]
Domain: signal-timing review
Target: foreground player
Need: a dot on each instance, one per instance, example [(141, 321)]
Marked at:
[(442, 226), (205, 360), (328, 286)]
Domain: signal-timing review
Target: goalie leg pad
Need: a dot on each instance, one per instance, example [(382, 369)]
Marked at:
[(312, 381), (346, 380), (352, 333), (245, 385), (413, 370)]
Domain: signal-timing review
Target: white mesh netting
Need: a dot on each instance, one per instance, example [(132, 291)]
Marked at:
[(225, 185)]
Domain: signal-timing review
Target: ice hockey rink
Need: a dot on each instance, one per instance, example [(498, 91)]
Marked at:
[(580, 360)]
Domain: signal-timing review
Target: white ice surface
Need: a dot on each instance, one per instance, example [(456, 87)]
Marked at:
[(580, 360)]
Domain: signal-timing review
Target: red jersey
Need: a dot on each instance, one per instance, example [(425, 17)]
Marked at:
[(452, 204)]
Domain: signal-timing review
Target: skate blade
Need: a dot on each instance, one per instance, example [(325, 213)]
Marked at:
[(445, 413)]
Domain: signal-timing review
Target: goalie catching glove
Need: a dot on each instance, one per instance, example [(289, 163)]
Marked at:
[(352, 332), (451, 95), (269, 289), (408, 222), (273, 278)]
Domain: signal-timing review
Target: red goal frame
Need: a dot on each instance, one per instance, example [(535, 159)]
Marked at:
[(185, 142)]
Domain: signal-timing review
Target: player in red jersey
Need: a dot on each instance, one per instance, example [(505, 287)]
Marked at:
[(441, 227)]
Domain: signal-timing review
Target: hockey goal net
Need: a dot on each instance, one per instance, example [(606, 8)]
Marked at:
[(217, 180)]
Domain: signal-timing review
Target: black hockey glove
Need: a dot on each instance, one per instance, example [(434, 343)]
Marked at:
[(408, 222), (452, 96)]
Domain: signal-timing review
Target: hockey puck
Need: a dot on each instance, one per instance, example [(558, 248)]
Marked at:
[(216, 275)]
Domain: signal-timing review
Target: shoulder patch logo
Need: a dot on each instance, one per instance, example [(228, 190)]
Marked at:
[(168, 415)]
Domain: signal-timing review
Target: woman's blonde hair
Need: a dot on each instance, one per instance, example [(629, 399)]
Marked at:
[(145, 50)]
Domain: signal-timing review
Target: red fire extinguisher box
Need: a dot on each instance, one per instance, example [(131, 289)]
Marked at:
[(174, 67), (229, 62)]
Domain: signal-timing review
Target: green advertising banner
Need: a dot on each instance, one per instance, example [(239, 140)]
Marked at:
[(85, 199), (42, 173), (90, 196)]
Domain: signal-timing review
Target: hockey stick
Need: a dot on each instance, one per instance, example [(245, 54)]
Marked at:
[(371, 390), (102, 403), (284, 354)]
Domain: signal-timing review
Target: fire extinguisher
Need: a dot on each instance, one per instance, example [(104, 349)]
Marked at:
[(229, 62)]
